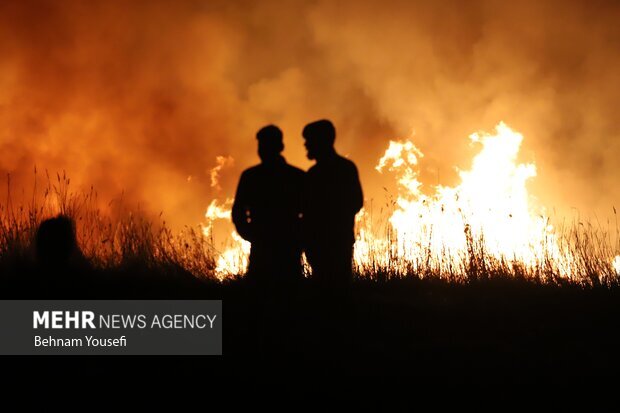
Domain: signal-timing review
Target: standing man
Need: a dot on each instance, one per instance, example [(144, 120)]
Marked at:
[(267, 212), (332, 197)]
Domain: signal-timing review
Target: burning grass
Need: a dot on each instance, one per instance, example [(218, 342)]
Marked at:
[(583, 254), (124, 239), (118, 239), (485, 228)]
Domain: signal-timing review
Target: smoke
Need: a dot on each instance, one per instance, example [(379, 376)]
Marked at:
[(140, 96)]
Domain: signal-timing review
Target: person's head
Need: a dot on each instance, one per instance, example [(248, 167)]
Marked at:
[(56, 241), (270, 144), (319, 138)]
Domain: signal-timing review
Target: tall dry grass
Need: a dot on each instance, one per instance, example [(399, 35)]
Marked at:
[(586, 251), (125, 237)]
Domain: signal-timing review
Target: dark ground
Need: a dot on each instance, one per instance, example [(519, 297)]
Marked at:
[(411, 326)]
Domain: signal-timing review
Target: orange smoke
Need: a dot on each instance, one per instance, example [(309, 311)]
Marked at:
[(134, 97)]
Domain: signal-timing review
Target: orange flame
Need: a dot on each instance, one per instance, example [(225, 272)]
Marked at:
[(222, 161), (234, 258), (490, 209), (489, 217)]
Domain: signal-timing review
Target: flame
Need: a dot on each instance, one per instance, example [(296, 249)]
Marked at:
[(234, 258), (215, 212), (489, 215), (222, 161), (487, 221)]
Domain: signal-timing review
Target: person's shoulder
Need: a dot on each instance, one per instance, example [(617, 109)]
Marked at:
[(251, 171), (346, 163), (293, 170), (313, 169)]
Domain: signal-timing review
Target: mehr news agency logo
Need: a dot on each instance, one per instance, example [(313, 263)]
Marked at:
[(88, 320)]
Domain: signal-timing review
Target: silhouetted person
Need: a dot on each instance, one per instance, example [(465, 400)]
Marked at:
[(333, 196), (60, 263), (267, 211), (56, 243)]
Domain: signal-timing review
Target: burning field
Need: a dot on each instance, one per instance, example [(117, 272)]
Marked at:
[(137, 121), (485, 133), (487, 225)]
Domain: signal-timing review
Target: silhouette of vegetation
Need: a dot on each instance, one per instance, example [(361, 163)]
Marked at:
[(125, 239), (592, 246), (125, 251), (498, 317)]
